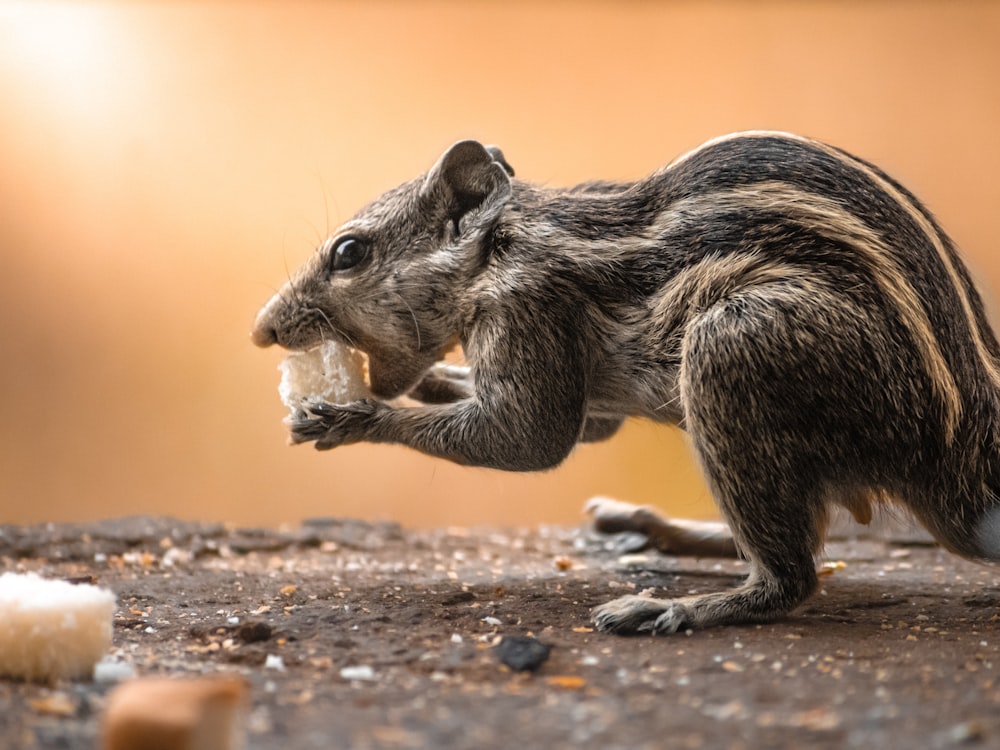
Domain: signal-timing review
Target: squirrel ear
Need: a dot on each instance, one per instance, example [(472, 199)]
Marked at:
[(498, 157), (470, 176)]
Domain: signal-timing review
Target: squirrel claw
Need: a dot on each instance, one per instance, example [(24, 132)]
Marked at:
[(304, 426), (331, 425)]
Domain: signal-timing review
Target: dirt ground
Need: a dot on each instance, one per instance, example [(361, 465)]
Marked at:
[(357, 635)]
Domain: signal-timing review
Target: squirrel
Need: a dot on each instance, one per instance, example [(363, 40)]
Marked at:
[(795, 310)]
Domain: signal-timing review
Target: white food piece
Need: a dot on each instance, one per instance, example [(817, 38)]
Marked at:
[(331, 372), (275, 662), (176, 714), (108, 671), (361, 672), (52, 629)]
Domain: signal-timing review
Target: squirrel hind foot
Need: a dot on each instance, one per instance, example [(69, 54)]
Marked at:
[(754, 602)]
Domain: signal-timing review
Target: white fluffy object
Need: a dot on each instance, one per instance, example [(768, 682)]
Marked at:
[(330, 372), (51, 629)]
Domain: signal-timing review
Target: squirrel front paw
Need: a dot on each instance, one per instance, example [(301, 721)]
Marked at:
[(332, 425)]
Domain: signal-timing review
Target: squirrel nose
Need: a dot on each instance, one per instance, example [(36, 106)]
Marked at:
[(263, 333), (263, 336)]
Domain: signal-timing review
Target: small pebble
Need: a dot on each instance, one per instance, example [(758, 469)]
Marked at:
[(522, 653), (969, 732), (254, 631)]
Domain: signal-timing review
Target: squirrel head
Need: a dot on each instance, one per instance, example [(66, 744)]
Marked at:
[(389, 281)]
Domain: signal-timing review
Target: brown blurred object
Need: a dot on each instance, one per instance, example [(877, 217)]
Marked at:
[(165, 164), (204, 713)]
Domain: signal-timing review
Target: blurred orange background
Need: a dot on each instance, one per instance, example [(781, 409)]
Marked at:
[(162, 165)]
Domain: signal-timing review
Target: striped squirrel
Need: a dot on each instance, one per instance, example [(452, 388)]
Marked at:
[(794, 309)]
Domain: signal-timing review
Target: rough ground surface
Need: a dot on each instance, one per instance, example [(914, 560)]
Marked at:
[(898, 649)]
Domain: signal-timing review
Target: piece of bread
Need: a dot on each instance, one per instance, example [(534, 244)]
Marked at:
[(331, 372), (204, 713), (52, 629)]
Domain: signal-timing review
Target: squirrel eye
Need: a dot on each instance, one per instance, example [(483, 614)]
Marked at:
[(347, 253)]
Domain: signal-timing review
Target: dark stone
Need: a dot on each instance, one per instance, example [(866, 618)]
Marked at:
[(522, 653), (254, 631)]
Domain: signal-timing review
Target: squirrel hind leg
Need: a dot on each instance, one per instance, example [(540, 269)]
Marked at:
[(763, 598), (776, 515), (742, 376), (776, 521), (775, 532)]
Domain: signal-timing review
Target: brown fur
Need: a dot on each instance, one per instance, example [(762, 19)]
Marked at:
[(793, 308)]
